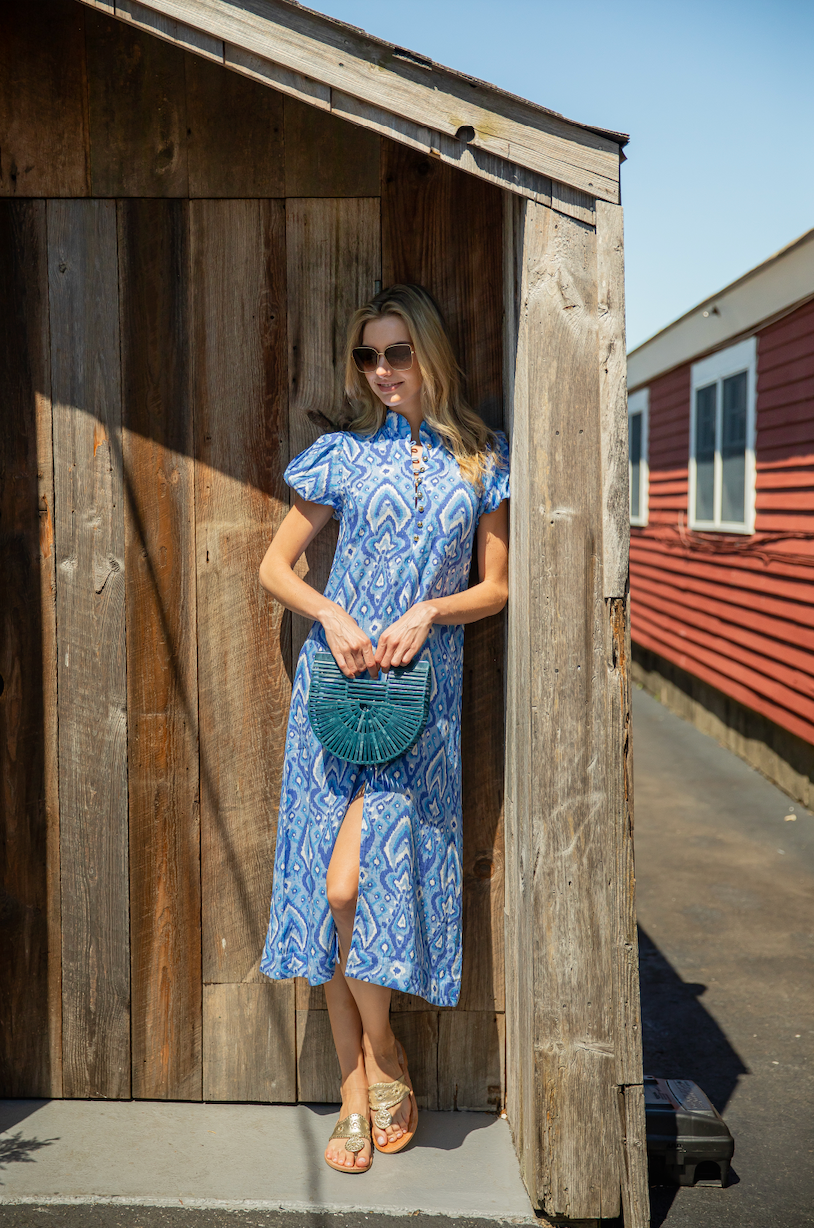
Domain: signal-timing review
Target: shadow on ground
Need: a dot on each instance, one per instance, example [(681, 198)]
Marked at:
[(681, 1039)]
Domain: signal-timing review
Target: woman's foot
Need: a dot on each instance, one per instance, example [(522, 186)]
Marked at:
[(354, 1100), (383, 1064)]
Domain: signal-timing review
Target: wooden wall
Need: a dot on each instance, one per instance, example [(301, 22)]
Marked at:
[(180, 248), (737, 612)]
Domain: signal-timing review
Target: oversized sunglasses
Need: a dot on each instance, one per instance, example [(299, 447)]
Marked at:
[(399, 357)]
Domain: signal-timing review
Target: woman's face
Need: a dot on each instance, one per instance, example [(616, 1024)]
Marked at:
[(399, 390)]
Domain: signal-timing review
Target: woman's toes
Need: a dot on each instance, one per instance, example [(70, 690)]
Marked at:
[(362, 1160), (381, 1139)]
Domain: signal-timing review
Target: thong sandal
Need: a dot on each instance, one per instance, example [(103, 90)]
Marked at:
[(355, 1130), (383, 1097)]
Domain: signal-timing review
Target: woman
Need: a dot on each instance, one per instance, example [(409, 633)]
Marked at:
[(367, 876)]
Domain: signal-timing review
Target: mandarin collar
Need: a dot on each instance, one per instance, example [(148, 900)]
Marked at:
[(396, 426)]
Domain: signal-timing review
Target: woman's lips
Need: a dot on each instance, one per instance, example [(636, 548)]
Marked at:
[(390, 387)]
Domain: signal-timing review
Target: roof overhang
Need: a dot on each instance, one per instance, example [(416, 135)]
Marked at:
[(773, 288), (395, 92)]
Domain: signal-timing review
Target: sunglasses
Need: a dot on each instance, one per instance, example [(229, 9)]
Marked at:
[(398, 357)]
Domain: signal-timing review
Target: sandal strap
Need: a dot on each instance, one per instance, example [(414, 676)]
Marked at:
[(387, 1095), (354, 1129), (353, 1124)]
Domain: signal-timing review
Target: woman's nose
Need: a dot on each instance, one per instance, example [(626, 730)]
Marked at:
[(383, 369)]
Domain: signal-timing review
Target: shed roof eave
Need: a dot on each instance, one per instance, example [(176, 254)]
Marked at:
[(779, 283), (337, 57)]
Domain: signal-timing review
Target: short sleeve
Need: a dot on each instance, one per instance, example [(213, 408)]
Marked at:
[(496, 479), (318, 473)]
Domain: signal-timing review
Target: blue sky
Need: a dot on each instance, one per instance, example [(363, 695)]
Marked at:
[(718, 98)]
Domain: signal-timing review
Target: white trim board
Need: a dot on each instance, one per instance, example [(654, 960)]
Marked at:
[(781, 282), (299, 51)]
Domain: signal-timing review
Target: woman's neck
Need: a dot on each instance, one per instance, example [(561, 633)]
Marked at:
[(413, 414)]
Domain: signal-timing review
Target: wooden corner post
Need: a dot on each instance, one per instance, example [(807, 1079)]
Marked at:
[(574, 1070)]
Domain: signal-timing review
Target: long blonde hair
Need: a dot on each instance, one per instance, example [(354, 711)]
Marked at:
[(465, 434)]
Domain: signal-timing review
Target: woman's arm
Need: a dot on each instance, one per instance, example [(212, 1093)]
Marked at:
[(401, 641), (352, 649)]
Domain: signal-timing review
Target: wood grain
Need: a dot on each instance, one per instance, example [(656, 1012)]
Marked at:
[(236, 144), (326, 156), (318, 1075), (334, 261), (137, 106), (162, 709), (43, 108), (30, 992), (247, 1030), (418, 1033), (613, 399), (565, 859), (167, 28), (239, 347), (350, 61), (471, 1047), (89, 535)]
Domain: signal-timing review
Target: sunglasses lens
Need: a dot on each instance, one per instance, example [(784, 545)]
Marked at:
[(399, 357), (365, 358)]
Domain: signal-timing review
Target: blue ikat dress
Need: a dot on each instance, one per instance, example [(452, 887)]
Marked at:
[(399, 543)]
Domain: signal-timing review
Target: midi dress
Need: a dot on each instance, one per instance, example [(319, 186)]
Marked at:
[(403, 538)]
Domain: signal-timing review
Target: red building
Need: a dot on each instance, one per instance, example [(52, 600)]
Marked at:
[(721, 406)]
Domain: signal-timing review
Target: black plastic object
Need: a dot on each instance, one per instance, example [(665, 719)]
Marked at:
[(685, 1133)]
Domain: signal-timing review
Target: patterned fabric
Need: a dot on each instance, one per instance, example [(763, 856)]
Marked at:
[(390, 555)]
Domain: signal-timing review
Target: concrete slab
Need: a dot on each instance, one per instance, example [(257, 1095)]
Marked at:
[(232, 1156), (725, 896)]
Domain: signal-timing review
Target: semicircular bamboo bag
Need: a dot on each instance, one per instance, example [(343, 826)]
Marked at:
[(366, 720)]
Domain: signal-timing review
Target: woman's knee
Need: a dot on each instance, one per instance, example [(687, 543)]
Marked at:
[(342, 892)]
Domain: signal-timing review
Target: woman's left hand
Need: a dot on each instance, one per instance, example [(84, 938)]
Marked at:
[(400, 642)]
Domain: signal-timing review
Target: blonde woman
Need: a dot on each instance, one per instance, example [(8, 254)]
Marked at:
[(367, 875)]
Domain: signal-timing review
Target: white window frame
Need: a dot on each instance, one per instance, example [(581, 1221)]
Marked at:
[(712, 370), (639, 403)]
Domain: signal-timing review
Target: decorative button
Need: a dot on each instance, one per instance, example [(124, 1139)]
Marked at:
[(421, 524), (415, 539)]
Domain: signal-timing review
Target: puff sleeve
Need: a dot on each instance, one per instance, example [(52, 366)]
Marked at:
[(496, 480), (318, 473)]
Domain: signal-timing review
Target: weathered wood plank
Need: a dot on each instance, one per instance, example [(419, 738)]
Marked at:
[(282, 79), (30, 975), (325, 156), (239, 348), (137, 105), (333, 252), (162, 709), (418, 1033), (627, 1010), (471, 1048), (173, 31), (519, 923), (423, 241), (236, 142), (247, 1029), (318, 1074), (43, 111), (613, 399), (353, 63), (89, 535), (576, 1169)]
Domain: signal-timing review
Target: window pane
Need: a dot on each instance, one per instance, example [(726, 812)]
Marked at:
[(733, 449), (635, 464), (705, 453)]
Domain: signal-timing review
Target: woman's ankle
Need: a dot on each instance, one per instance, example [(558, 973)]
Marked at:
[(380, 1049)]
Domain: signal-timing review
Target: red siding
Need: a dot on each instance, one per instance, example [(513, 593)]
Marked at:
[(737, 611)]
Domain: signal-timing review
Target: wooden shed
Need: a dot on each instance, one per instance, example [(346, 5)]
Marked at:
[(196, 193)]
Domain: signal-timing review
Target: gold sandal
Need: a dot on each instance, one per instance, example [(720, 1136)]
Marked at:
[(355, 1130), (383, 1097)]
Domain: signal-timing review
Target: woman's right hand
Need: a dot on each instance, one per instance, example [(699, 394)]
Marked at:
[(351, 648)]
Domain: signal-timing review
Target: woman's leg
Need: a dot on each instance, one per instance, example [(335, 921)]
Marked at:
[(346, 1025), (372, 1002)]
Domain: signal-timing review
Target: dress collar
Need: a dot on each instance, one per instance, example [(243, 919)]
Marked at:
[(396, 426)]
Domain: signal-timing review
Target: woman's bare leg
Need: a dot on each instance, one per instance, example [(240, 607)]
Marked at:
[(346, 1026), (372, 1002)]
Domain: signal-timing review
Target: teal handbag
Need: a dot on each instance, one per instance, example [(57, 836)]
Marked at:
[(368, 720)]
